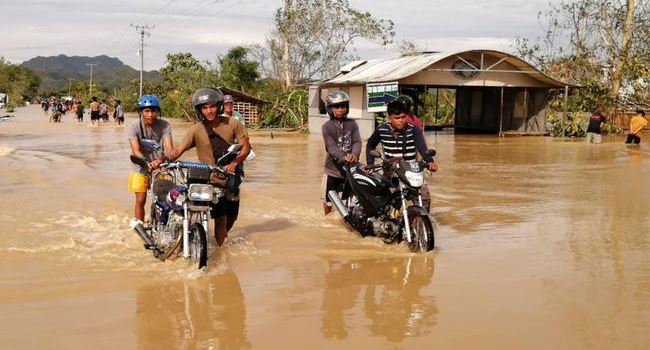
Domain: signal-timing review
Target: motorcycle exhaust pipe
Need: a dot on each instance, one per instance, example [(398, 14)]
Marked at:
[(336, 200), (140, 230)]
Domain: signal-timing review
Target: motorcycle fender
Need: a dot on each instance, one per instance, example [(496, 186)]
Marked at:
[(416, 210)]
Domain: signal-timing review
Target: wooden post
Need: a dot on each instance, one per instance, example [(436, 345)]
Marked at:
[(566, 104), (525, 109), (501, 114), (436, 116)]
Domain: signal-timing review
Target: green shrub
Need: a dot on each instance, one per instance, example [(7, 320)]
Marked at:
[(612, 129), (571, 126), (288, 110)]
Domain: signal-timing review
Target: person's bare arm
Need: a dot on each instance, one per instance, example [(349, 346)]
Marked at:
[(168, 144), (135, 148), (246, 149)]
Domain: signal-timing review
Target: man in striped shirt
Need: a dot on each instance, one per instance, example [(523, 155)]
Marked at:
[(400, 139)]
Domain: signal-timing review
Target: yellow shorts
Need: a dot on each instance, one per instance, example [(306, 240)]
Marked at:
[(139, 182)]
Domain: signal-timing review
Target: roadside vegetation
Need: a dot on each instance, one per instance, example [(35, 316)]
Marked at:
[(17, 82), (602, 46)]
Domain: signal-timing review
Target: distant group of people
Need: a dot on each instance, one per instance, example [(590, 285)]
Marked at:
[(56, 107), (98, 111), (597, 121)]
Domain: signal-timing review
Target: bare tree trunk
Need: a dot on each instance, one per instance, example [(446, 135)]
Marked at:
[(285, 65), (286, 42), (617, 74)]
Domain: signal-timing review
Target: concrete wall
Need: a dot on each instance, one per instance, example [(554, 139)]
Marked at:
[(358, 109)]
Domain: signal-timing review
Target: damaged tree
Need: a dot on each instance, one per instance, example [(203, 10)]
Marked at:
[(312, 38)]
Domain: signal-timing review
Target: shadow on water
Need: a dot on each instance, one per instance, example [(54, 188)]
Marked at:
[(193, 314), (389, 292), (268, 226)]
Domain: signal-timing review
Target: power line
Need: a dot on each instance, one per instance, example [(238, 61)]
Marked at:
[(181, 15), (220, 11), (150, 13)]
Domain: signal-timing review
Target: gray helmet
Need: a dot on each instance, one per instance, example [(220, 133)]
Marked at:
[(337, 98), (207, 95)]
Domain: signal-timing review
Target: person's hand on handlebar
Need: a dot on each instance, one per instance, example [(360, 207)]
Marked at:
[(154, 164), (350, 158), (230, 168)]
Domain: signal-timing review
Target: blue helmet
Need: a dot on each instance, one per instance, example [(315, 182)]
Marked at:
[(150, 101)]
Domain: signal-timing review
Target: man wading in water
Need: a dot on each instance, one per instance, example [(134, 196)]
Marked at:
[(212, 136), (150, 138), (342, 143), (94, 111)]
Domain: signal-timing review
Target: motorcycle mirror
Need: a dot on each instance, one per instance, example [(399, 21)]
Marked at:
[(234, 147), (141, 162), (431, 152)]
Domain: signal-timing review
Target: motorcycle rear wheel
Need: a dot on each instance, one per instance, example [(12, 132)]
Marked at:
[(423, 238), (198, 245)]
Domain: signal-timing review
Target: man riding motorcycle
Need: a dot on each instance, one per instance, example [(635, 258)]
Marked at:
[(212, 136), (400, 139)]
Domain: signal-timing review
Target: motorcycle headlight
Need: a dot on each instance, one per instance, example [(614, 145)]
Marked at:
[(415, 179), (200, 192)]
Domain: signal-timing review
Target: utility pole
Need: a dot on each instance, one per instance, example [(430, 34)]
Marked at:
[(90, 86), (70, 86), (142, 29)]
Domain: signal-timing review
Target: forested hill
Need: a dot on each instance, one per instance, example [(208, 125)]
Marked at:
[(109, 72)]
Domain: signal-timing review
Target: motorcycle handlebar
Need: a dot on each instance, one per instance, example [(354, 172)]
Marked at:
[(388, 163), (186, 165)]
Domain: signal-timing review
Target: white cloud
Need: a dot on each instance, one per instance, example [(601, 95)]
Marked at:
[(207, 28)]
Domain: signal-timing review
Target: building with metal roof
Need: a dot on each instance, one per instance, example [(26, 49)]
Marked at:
[(488, 91)]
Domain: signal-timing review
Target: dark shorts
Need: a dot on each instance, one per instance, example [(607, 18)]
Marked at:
[(633, 138), (331, 183), (226, 208), (94, 115)]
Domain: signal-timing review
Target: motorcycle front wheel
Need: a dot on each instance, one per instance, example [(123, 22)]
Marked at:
[(198, 245), (422, 236)]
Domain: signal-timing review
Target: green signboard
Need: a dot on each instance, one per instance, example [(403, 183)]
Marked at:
[(380, 94)]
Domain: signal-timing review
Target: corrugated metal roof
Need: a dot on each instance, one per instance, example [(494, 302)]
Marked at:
[(393, 69)]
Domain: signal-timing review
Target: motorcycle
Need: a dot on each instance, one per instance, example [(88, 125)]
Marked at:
[(182, 197), (387, 205)]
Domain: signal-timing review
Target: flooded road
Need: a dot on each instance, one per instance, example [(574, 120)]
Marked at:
[(541, 244)]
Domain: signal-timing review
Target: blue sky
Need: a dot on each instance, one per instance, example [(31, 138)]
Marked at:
[(207, 28)]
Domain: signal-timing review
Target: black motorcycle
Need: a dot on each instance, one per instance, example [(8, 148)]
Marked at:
[(384, 200)]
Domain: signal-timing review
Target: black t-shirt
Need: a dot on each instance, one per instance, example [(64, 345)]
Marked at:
[(594, 123)]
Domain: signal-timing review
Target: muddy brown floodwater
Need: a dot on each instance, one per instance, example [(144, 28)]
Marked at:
[(541, 244)]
